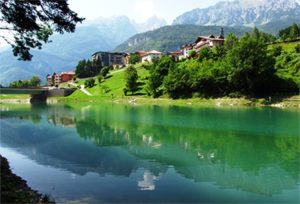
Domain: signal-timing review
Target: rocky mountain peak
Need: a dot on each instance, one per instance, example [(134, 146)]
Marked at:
[(242, 13)]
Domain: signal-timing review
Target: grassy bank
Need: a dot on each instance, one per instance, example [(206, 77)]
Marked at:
[(286, 46), (15, 190), (111, 90)]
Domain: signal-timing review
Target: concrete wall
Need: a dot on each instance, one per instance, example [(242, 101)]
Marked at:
[(60, 92)]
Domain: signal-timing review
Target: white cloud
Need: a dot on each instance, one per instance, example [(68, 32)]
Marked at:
[(144, 10)]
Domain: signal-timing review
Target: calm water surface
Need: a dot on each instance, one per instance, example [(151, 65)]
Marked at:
[(116, 153)]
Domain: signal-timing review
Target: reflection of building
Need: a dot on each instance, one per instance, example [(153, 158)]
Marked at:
[(147, 184), (62, 118)]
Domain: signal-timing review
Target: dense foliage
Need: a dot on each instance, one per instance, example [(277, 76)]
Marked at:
[(290, 33), (133, 59), (242, 66), (170, 38), (33, 22), (35, 81), (90, 83), (131, 77), (87, 68), (158, 71)]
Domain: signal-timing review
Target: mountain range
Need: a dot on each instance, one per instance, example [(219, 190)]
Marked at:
[(66, 50), (171, 38), (251, 13), (120, 33)]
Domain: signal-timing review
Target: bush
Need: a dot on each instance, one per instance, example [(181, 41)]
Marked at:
[(90, 83), (297, 48), (104, 71)]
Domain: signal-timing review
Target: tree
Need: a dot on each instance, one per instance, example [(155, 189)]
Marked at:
[(205, 53), (158, 71), (251, 68), (133, 59), (104, 71), (294, 31), (35, 81), (276, 51), (131, 77), (32, 22), (297, 48), (177, 83), (80, 69), (87, 68), (192, 53), (290, 32), (230, 41), (90, 83)]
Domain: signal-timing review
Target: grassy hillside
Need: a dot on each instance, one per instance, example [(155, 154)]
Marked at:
[(286, 46), (112, 87)]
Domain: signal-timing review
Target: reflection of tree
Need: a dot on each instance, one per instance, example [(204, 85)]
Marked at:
[(233, 157), (21, 114), (102, 135), (154, 138)]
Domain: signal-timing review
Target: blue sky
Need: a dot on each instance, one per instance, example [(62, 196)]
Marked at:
[(138, 10)]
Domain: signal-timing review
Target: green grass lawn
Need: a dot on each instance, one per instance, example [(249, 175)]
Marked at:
[(286, 46), (111, 87), (14, 96)]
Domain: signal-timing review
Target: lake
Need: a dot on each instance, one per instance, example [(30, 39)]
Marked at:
[(93, 153)]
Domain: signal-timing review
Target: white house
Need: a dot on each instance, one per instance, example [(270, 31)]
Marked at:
[(151, 56)]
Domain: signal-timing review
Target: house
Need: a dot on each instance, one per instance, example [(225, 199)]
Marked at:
[(209, 41), (49, 80), (67, 76), (186, 49), (151, 56), (176, 55), (57, 79), (114, 59), (203, 42)]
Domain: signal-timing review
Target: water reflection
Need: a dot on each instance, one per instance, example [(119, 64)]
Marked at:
[(253, 150), (147, 184)]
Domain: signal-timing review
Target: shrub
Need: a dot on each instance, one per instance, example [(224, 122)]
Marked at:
[(90, 83)]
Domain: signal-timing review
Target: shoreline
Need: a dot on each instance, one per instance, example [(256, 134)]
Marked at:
[(14, 189), (286, 102)]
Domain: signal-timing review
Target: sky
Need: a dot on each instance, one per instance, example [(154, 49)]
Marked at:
[(138, 10)]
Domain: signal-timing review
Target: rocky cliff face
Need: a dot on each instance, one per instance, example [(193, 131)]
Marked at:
[(242, 13)]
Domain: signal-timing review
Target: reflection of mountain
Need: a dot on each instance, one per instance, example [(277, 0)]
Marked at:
[(154, 138)]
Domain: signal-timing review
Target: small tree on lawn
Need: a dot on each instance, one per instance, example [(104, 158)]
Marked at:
[(131, 77), (104, 71), (90, 83)]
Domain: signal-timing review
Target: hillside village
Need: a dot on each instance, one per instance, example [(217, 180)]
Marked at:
[(119, 60)]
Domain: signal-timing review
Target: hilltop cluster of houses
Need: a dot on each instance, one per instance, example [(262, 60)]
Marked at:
[(119, 59)]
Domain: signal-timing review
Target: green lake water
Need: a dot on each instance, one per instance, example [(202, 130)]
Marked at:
[(90, 153)]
